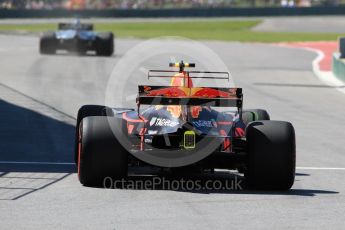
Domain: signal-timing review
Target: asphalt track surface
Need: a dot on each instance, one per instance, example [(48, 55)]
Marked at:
[(39, 98), (314, 24)]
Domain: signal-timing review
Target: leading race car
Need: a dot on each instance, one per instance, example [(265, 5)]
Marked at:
[(77, 37), (183, 126)]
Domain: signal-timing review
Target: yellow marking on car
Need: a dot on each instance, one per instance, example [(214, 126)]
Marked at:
[(189, 140)]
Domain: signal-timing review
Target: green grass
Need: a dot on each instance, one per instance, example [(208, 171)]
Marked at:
[(225, 30)]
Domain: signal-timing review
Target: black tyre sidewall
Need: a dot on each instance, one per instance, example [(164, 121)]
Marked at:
[(48, 43), (271, 158), (105, 44), (86, 111), (101, 155)]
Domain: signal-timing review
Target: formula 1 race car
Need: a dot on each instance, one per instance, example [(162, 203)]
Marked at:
[(183, 126), (77, 37)]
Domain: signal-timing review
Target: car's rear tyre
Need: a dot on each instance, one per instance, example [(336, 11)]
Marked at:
[(88, 111), (271, 157), (105, 44), (255, 115), (101, 155), (48, 43)]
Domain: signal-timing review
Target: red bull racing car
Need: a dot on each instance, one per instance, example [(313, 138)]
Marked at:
[(185, 126)]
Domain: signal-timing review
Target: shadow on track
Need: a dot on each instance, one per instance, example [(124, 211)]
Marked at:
[(302, 174), (224, 182), (36, 151), (28, 136), (79, 55)]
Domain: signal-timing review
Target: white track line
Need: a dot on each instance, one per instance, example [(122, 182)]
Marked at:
[(326, 77), (70, 163), (320, 168)]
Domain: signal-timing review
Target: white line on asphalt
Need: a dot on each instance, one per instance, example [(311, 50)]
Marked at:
[(326, 77), (319, 168), (70, 163), (36, 163)]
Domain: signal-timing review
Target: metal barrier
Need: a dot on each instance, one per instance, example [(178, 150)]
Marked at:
[(338, 67), (201, 12)]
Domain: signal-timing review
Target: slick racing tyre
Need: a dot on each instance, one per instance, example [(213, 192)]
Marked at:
[(271, 150), (105, 44), (87, 111), (101, 155), (48, 43), (254, 115)]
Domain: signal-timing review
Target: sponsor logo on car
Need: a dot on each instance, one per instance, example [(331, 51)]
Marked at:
[(155, 121), (148, 140), (204, 123), (152, 132), (214, 123)]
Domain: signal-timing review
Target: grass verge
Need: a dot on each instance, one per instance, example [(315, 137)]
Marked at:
[(223, 30)]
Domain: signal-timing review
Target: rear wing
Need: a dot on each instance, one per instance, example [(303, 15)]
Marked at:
[(74, 26), (191, 74), (187, 94), (198, 96)]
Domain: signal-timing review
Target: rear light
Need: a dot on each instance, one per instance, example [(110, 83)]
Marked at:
[(189, 140)]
